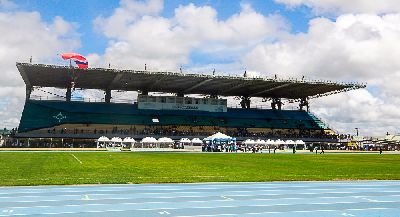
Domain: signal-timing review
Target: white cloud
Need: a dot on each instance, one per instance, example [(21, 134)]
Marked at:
[(139, 36), (128, 12), (354, 47), (346, 6), (25, 34), (361, 47), (7, 4)]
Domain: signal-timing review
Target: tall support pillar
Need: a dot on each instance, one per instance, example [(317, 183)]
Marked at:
[(144, 92), (107, 96), (276, 104), (304, 103), (245, 102), (28, 92), (68, 94), (248, 102)]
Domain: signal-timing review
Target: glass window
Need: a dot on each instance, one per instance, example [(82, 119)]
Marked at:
[(151, 99), (179, 100), (170, 99)]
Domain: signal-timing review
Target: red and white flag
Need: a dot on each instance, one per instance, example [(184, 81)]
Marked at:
[(80, 60)]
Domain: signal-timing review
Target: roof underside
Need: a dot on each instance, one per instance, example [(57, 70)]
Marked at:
[(171, 82)]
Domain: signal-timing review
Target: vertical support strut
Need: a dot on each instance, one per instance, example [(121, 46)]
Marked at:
[(245, 102), (304, 103), (107, 96), (68, 94), (276, 104), (28, 93), (144, 92)]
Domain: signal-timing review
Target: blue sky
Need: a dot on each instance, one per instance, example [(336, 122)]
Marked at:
[(84, 12)]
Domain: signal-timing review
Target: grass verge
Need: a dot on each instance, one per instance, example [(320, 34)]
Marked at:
[(66, 168)]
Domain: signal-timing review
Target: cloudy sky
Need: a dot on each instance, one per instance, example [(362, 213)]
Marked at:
[(339, 40)]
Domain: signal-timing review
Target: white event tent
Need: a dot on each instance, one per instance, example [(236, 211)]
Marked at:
[(197, 141), (165, 142), (102, 142), (149, 142)]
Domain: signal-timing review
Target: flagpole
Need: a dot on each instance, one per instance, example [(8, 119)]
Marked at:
[(72, 85)]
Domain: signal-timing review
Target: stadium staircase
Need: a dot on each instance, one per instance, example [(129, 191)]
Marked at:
[(319, 121)]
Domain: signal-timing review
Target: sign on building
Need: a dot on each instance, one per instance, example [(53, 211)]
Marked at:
[(181, 103)]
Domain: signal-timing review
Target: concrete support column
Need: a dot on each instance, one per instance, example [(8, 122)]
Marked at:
[(68, 94), (304, 103), (144, 92), (107, 96), (28, 92), (276, 103)]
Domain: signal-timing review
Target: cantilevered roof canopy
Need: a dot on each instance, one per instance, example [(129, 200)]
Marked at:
[(172, 82)]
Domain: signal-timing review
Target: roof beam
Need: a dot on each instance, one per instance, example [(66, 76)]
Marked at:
[(116, 79), (237, 86), (198, 85), (271, 89), (157, 82)]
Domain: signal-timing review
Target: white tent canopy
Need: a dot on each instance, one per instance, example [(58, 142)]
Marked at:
[(102, 142), (116, 139), (103, 139), (197, 141), (289, 142), (279, 142), (249, 142), (270, 142), (218, 135), (260, 142), (185, 140), (165, 140), (300, 142), (149, 140), (129, 140)]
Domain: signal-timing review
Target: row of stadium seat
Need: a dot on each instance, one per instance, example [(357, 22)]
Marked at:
[(48, 114)]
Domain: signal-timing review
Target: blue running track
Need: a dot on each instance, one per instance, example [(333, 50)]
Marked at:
[(277, 199)]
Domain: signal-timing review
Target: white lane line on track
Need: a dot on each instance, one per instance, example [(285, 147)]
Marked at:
[(168, 188), (77, 159), (255, 199), (277, 212), (203, 207), (235, 206), (222, 214)]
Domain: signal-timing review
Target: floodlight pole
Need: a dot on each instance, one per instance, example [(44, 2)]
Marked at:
[(356, 130)]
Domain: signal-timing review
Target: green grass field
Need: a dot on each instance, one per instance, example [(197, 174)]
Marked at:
[(60, 168)]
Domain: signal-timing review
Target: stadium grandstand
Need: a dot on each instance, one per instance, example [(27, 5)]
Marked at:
[(186, 105)]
